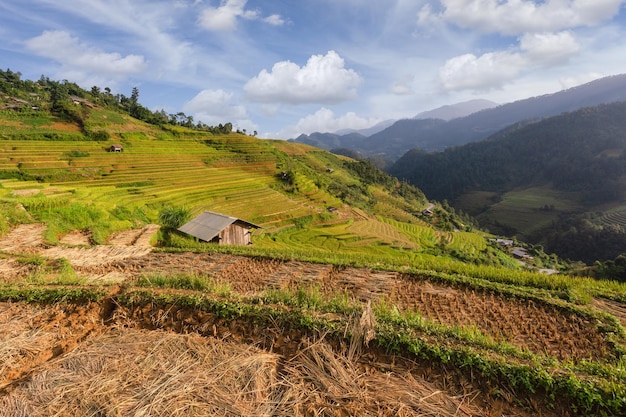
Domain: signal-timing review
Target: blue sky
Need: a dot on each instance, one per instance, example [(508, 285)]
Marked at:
[(285, 67)]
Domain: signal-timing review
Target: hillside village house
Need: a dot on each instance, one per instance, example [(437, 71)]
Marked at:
[(116, 148), (219, 228)]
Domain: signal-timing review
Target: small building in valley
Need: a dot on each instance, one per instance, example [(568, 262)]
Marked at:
[(219, 228), (521, 253), (116, 148)]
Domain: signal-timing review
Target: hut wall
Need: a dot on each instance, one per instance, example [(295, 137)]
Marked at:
[(234, 234)]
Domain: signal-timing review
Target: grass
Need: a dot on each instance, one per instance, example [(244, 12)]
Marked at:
[(524, 209)]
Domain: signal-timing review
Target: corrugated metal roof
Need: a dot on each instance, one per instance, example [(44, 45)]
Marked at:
[(208, 225)]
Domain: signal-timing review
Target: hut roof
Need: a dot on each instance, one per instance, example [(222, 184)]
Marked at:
[(208, 225)]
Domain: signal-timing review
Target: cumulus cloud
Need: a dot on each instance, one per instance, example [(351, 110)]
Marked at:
[(487, 71), (274, 20), (77, 57), (224, 17), (513, 17), (493, 69), (214, 107), (323, 79), (548, 48), (324, 120)]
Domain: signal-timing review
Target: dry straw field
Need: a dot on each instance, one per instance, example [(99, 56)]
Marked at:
[(270, 337)]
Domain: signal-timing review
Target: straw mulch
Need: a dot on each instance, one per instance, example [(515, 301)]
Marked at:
[(130, 372), (31, 335)]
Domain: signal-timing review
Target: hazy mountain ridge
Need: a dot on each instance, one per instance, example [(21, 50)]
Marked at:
[(392, 142), (368, 131), (454, 111)]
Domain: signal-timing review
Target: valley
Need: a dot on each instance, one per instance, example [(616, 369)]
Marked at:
[(358, 295)]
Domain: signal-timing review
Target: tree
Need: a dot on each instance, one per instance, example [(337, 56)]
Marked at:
[(134, 95), (58, 96)]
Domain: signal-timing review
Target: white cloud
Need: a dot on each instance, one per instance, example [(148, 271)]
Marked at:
[(513, 17), (274, 20), (77, 57), (548, 48), (214, 107), (146, 26), (224, 17), (324, 120), (480, 73), (493, 69), (323, 79)]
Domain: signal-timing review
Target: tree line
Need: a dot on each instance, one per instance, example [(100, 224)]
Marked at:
[(56, 97)]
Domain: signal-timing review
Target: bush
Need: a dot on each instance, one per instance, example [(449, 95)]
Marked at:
[(173, 217)]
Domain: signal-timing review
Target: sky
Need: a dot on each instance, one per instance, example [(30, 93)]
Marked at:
[(285, 67)]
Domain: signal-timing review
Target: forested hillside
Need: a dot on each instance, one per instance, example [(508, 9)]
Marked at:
[(580, 156)]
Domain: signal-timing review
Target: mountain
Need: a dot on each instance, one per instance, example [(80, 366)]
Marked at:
[(454, 111), (354, 138), (535, 179), (330, 141), (431, 136), (368, 131)]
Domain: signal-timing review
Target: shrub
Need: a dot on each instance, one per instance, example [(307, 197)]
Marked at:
[(173, 217)]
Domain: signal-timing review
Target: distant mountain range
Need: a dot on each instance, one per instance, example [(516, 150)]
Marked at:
[(452, 125), (559, 182), (454, 111)]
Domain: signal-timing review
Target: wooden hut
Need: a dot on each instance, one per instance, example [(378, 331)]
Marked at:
[(116, 147), (219, 228)]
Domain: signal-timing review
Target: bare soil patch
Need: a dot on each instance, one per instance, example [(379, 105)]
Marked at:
[(76, 238), (12, 271), (25, 238), (129, 244), (135, 237), (26, 193), (66, 127)]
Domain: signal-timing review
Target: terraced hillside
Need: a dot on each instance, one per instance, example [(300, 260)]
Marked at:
[(351, 300), (54, 171)]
